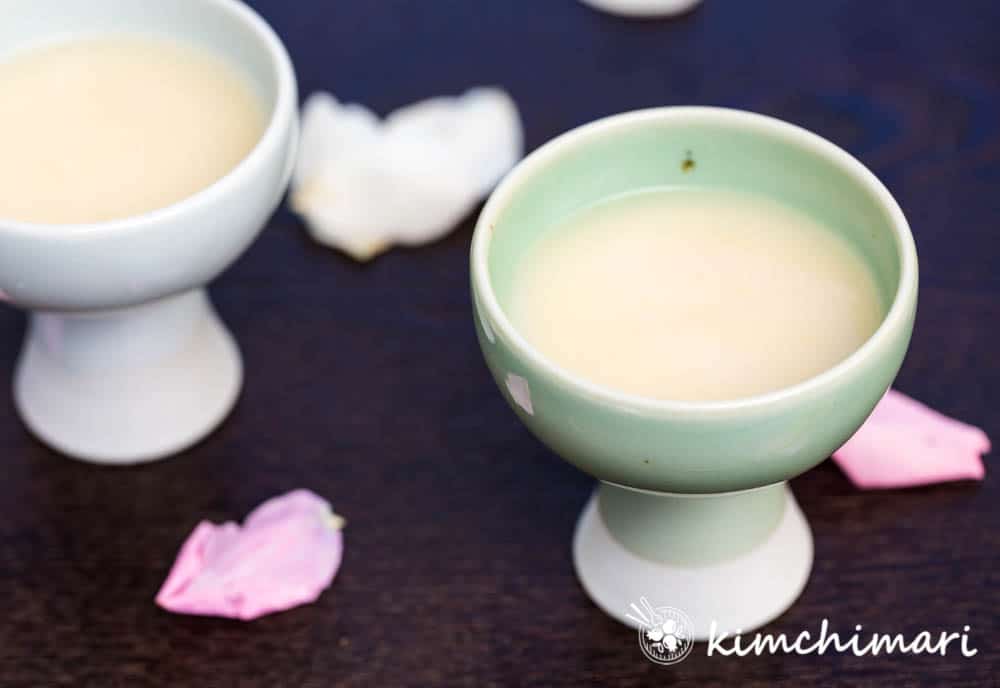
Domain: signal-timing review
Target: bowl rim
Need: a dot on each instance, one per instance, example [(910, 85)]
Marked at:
[(283, 112), (899, 314)]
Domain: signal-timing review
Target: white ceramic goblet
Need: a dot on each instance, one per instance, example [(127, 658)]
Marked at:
[(125, 359)]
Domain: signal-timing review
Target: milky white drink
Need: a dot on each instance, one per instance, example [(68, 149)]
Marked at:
[(105, 128), (694, 295)]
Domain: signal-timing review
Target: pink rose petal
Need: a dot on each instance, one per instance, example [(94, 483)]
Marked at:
[(905, 443), (285, 554)]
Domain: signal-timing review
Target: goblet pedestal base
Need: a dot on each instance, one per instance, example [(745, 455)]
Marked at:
[(129, 385), (738, 559)]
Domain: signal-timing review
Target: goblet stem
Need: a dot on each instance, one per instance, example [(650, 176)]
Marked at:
[(737, 560), (691, 529), (128, 385)]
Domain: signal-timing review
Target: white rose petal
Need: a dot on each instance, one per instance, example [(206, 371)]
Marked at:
[(362, 185)]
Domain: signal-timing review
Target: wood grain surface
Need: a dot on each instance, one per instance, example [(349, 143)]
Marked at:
[(365, 384)]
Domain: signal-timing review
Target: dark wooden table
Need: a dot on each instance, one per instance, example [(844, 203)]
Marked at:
[(366, 385)]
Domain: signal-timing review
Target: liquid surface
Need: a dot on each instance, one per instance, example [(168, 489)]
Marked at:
[(105, 128), (694, 295)]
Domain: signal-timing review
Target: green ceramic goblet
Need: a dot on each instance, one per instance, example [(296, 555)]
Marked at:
[(693, 509)]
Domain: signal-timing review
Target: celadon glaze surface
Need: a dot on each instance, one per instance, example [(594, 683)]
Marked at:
[(676, 447), (693, 530)]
